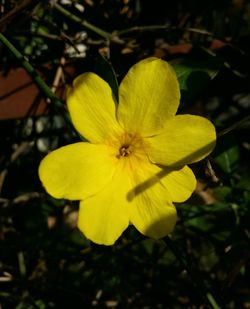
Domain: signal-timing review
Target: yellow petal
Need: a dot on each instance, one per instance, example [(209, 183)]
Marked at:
[(92, 108), (103, 217), (151, 210), (135, 194), (151, 218), (179, 183), (148, 95), (76, 171), (185, 139)]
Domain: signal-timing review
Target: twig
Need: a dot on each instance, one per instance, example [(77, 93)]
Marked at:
[(88, 25), (47, 36), (142, 29), (58, 75), (165, 27), (235, 126), (28, 67)]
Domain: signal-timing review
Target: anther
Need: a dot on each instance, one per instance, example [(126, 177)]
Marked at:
[(124, 151)]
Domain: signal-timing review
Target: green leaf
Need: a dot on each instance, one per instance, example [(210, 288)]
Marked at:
[(222, 193), (104, 69), (228, 155), (203, 223), (194, 75), (244, 181), (228, 159)]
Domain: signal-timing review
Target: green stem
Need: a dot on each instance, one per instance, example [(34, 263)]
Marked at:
[(142, 28), (161, 27), (84, 23), (36, 78), (28, 67), (207, 296)]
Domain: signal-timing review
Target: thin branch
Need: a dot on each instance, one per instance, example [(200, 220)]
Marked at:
[(37, 79), (165, 27), (28, 67), (88, 25), (233, 127), (142, 29)]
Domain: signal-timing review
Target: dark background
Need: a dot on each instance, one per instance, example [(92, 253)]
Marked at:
[(45, 262)]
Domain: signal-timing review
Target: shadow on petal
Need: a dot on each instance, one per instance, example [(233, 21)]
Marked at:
[(163, 226), (165, 171)]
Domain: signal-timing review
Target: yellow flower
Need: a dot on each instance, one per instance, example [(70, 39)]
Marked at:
[(134, 166)]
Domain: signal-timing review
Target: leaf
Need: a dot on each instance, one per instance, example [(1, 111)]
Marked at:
[(194, 75), (104, 69), (227, 154), (244, 181), (228, 159), (222, 192)]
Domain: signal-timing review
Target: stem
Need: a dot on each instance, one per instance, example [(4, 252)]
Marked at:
[(84, 23), (28, 67), (142, 28), (36, 78), (206, 296), (162, 27)]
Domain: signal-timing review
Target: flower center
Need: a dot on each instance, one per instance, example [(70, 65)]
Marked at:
[(125, 151), (129, 145)]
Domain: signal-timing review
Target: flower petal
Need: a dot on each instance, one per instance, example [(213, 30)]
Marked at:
[(76, 171), (151, 210), (151, 218), (148, 95), (135, 194), (179, 183), (103, 217), (185, 139), (92, 108)]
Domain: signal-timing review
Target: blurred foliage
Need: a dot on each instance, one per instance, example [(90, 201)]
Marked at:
[(45, 262)]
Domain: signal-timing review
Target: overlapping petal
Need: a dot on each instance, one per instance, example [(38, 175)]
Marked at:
[(150, 208), (92, 108), (151, 218), (184, 140), (134, 195), (148, 95), (103, 217), (77, 171)]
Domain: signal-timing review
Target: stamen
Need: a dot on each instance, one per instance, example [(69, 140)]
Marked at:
[(124, 151)]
